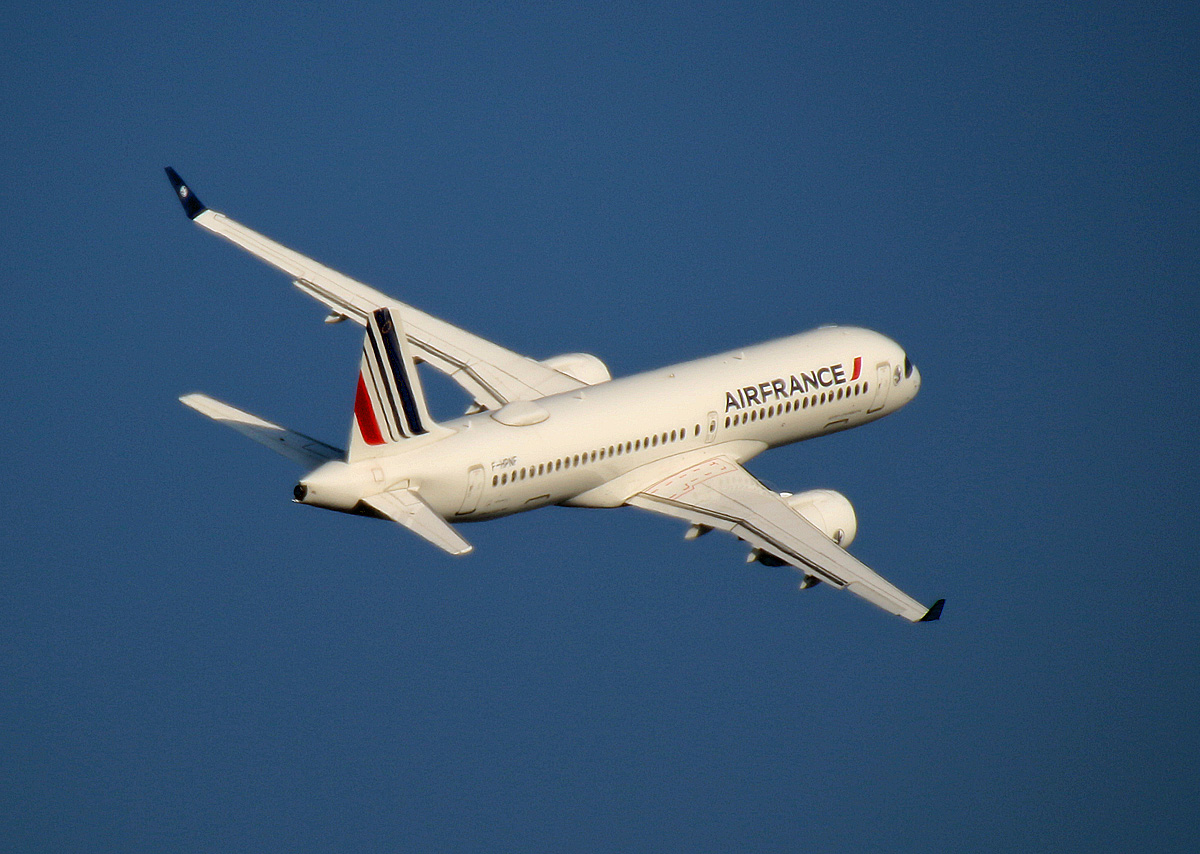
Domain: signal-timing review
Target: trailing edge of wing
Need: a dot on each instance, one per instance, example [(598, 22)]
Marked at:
[(721, 494), (295, 446), (407, 508), (488, 372)]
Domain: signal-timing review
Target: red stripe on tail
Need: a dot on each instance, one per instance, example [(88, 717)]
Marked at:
[(364, 415)]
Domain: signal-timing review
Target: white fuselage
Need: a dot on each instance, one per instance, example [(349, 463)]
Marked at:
[(595, 446)]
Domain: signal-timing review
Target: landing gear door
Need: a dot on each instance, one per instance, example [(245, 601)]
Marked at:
[(883, 381)]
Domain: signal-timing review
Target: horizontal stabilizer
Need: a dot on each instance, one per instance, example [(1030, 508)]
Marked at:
[(295, 446), (408, 509)]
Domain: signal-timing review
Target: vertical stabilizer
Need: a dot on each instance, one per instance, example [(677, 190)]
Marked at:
[(389, 406)]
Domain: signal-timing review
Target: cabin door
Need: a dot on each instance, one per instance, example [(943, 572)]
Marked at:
[(474, 490), (883, 381), (710, 432)]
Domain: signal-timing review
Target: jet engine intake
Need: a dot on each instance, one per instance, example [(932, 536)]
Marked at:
[(830, 512), (580, 366)]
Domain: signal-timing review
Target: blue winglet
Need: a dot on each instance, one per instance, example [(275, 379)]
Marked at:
[(933, 613), (192, 206)]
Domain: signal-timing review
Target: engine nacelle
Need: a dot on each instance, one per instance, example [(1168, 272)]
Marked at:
[(580, 366), (831, 513)]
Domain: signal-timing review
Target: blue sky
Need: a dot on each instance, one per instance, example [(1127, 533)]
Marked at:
[(192, 663)]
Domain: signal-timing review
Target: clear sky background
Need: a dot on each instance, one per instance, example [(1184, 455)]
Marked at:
[(192, 663)]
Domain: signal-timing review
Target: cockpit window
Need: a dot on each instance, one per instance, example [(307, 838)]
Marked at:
[(908, 367)]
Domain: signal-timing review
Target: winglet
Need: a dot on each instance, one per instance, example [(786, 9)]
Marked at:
[(192, 206), (933, 613)]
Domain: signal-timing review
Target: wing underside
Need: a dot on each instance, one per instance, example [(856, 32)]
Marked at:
[(720, 494), (491, 374)]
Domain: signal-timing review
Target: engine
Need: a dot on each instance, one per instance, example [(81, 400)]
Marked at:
[(831, 513), (580, 366)]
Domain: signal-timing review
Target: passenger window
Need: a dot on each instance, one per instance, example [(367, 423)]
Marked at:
[(753, 416), (495, 480), (771, 411), (504, 478)]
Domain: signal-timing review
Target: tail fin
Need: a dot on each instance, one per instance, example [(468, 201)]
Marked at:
[(389, 406)]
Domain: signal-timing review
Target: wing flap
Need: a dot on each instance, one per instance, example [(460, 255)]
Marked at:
[(407, 508), (295, 446), (721, 494)]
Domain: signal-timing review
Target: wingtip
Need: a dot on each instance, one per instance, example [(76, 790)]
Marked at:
[(933, 613), (192, 206)]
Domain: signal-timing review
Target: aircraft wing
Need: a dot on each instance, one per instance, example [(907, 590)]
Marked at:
[(295, 446), (491, 374), (721, 494), (407, 508)]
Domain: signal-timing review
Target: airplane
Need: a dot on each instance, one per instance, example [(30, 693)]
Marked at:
[(562, 431)]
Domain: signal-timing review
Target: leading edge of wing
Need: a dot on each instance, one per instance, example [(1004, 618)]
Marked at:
[(721, 494)]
